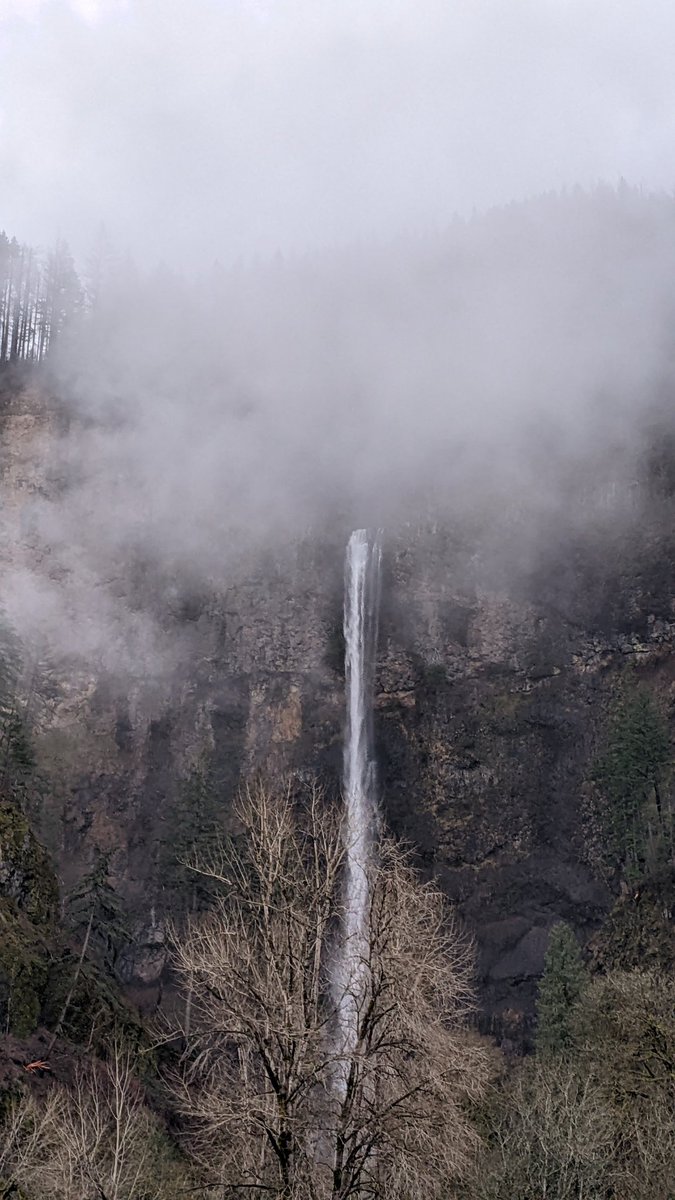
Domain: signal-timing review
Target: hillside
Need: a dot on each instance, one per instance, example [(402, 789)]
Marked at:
[(172, 554)]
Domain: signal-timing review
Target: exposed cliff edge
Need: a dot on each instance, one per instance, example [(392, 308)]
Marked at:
[(502, 651)]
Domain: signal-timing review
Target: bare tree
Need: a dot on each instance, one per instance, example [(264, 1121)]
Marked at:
[(627, 1044), (598, 1122), (24, 1135), (276, 1102), (94, 1140), (551, 1135)]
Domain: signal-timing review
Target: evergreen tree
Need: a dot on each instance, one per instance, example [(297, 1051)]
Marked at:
[(631, 773), (560, 989), (17, 759), (96, 912), (195, 831), (96, 916), (62, 294), (39, 298)]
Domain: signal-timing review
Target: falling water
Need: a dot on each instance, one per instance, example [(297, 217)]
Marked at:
[(362, 575)]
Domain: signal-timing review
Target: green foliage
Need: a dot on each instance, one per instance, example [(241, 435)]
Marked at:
[(23, 972), (561, 987), (598, 1122), (36, 975), (639, 931), (94, 901), (170, 1173), (17, 759), (626, 1039), (26, 874), (10, 667), (630, 774), (196, 826), (625, 1033), (28, 900), (96, 1013), (18, 747)]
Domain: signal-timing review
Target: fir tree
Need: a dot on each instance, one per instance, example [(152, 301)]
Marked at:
[(96, 912), (560, 989), (95, 916), (17, 759), (631, 773), (196, 829)]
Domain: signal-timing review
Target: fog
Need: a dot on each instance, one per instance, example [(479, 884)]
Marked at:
[(325, 341), (505, 377), (225, 128)]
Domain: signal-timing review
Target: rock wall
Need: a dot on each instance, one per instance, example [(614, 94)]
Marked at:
[(497, 663)]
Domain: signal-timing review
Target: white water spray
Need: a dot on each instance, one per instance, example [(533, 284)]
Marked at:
[(362, 576)]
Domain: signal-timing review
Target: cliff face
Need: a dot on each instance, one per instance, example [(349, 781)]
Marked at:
[(495, 676), (493, 706)]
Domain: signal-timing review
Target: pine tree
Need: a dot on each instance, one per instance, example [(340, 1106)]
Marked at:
[(631, 773), (196, 830), (62, 294), (560, 989), (95, 915), (17, 759), (96, 911)]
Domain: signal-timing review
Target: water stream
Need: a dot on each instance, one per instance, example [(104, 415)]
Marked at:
[(361, 603)]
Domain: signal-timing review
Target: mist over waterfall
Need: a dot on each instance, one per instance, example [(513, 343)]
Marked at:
[(361, 603)]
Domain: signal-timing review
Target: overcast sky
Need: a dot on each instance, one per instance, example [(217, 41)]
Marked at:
[(227, 127)]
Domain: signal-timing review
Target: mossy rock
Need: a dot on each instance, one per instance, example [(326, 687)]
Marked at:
[(24, 959), (433, 676), (638, 932), (26, 874), (504, 712), (96, 1010)]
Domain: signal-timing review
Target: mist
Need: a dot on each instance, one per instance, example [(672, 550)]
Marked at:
[(495, 358), (229, 128), (298, 323), (505, 377)]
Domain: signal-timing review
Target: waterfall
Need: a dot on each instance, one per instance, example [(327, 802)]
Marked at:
[(361, 602)]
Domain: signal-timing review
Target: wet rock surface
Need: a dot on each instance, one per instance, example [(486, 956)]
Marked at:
[(495, 672)]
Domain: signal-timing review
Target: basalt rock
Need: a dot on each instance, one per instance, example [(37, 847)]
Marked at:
[(500, 655)]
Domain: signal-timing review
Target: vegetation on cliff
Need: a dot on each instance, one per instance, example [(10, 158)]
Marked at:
[(267, 1098), (631, 773), (227, 1099), (276, 1099), (592, 1112), (39, 295), (597, 1119), (135, 1113), (561, 986)]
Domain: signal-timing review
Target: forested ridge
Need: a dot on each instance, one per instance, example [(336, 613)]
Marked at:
[(39, 296), (229, 1084)]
